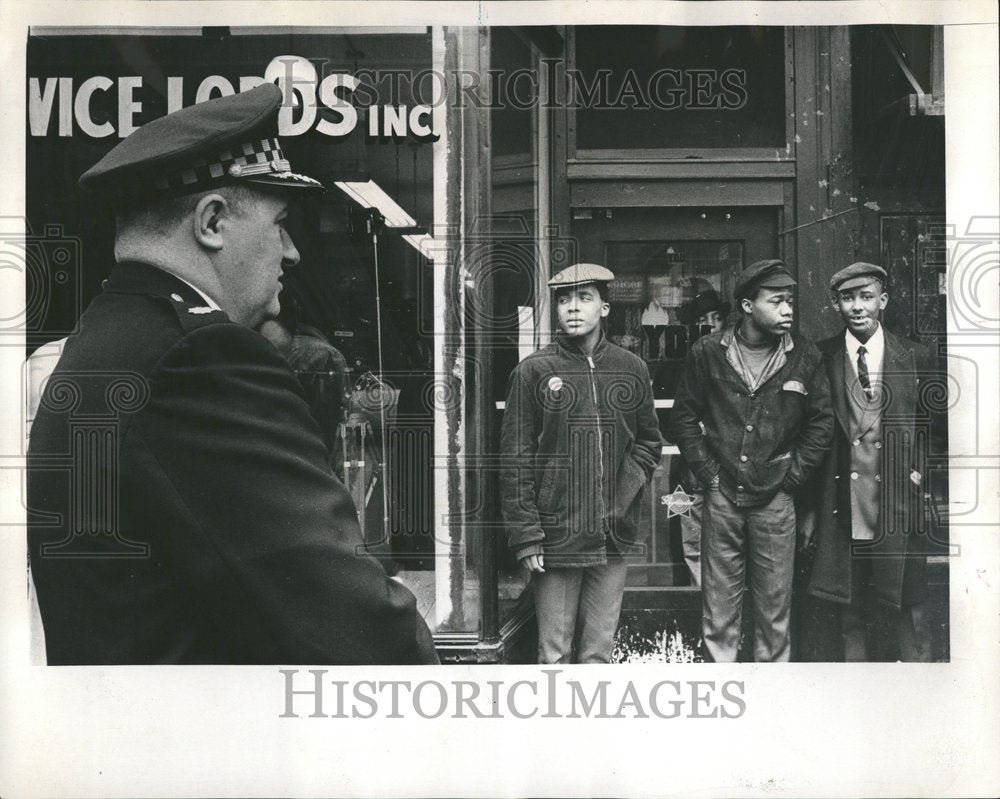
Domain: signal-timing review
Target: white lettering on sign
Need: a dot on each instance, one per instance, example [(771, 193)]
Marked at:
[(40, 105), (328, 97), (305, 94), (175, 94), (65, 106), (213, 86), (128, 106), (75, 105), (81, 107), (296, 76)]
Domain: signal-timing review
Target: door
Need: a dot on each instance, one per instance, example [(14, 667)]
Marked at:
[(667, 263)]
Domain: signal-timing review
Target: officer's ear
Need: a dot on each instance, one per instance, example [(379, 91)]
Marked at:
[(207, 220)]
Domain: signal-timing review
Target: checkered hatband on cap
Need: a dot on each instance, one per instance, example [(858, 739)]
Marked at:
[(256, 157)]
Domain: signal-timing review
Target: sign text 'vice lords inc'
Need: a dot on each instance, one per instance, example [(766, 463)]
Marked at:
[(71, 102)]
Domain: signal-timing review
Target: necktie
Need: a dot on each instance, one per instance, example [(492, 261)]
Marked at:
[(863, 378)]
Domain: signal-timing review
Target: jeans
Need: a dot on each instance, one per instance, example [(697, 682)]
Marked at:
[(732, 537), (582, 601), (691, 537)]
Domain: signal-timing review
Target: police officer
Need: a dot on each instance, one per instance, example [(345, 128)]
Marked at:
[(198, 520)]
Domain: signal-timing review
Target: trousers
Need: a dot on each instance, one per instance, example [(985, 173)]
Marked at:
[(581, 604), (691, 537), (733, 538)]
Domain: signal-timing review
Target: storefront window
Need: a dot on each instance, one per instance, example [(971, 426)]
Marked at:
[(368, 299), (641, 87), (653, 299)]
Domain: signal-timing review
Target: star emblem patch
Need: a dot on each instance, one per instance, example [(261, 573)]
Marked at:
[(678, 502)]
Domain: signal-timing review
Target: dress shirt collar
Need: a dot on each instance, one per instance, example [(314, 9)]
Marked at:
[(874, 349)]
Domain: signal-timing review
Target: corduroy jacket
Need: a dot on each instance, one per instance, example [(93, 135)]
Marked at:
[(580, 440)]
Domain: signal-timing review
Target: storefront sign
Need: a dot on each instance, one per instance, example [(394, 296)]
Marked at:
[(311, 103)]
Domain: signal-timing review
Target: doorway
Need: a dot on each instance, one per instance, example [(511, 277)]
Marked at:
[(667, 263)]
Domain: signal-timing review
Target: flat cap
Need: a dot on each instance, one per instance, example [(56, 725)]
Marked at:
[(708, 300), (578, 274), (771, 274), (226, 141), (857, 275)]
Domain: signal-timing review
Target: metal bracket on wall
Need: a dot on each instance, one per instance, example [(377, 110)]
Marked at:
[(921, 103)]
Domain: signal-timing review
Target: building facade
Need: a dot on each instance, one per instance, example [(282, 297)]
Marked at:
[(675, 156)]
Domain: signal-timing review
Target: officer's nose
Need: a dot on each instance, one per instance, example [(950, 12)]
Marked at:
[(289, 253)]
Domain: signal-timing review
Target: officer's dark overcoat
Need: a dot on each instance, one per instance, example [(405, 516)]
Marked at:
[(180, 505)]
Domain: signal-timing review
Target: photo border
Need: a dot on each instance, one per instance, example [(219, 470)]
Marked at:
[(807, 728)]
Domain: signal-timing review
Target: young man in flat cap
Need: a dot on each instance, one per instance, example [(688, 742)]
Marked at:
[(868, 497), (580, 440), (752, 417), (208, 527)]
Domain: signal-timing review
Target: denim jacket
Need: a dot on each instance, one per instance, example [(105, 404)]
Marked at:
[(580, 440), (757, 441)]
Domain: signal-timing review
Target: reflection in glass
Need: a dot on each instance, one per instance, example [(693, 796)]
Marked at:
[(666, 295)]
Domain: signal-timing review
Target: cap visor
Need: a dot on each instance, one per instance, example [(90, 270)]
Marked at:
[(287, 180), (573, 283), (856, 282), (779, 282)]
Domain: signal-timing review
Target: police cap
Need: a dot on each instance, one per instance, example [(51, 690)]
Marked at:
[(579, 274), (857, 275), (768, 274), (226, 141)]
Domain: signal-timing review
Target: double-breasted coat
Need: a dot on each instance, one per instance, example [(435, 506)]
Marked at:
[(181, 509), (895, 478)]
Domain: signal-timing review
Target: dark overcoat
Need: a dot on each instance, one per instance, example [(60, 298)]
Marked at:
[(898, 553), (181, 509)]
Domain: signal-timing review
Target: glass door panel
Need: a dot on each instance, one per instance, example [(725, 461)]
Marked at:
[(665, 296)]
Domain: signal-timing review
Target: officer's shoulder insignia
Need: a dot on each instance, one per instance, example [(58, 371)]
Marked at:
[(190, 316)]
